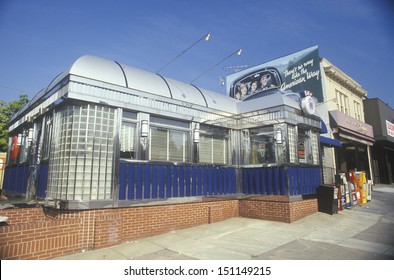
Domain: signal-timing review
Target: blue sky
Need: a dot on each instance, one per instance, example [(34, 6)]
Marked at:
[(42, 38)]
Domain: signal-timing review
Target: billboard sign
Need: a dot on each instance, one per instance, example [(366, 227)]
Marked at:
[(297, 73)]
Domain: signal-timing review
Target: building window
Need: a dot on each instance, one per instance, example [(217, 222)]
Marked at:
[(262, 145), (169, 140), (357, 110), (128, 135), (214, 145), (343, 102)]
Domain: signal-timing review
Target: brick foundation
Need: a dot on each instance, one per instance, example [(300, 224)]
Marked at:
[(277, 208), (44, 233)]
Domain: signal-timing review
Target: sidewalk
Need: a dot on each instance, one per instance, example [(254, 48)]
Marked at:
[(364, 232)]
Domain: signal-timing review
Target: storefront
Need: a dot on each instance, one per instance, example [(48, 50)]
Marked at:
[(357, 138), (103, 134)]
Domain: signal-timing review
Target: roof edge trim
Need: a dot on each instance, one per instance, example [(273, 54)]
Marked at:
[(168, 86), (203, 96), (124, 74)]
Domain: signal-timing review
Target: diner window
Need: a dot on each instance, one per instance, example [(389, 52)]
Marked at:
[(47, 138), (214, 145), (262, 145), (304, 147), (169, 140), (20, 148), (24, 149), (128, 135)]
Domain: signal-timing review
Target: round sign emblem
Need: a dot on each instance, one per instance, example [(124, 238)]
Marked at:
[(308, 105)]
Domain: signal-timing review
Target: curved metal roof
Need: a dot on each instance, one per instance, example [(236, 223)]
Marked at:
[(112, 72), (120, 75)]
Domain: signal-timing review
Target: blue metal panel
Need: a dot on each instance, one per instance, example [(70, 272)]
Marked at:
[(42, 180), (283, 181), (210, 181), (138, 182), (20, 180), (130, 181), (214, 182), (147, 179), (244, 182), (122, 181), (168, 181), (257, 181), (233, 180), (187, 181), (162, 182), (275, 174), (250, 180), (201, 181), (175, 178), (154, 180), (194, 180), (269, 181), (226, 183), (205, 181), (181, 181), (292, 175), (8, 179)]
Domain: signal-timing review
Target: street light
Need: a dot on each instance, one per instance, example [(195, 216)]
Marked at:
[(237, 52), (333, 100), (206, 37)]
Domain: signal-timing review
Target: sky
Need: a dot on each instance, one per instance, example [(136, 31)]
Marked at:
[(42, 38)]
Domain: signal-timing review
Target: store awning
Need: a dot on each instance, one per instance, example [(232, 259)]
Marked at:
[(323, 127), (326, 141)]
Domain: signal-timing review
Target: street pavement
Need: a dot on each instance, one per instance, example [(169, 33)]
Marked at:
[(363, 232)]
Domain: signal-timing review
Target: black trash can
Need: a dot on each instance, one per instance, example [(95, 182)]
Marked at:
[(326, 200)]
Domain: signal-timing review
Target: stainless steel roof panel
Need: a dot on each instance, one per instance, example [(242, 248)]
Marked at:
[(220, 102), (97, 68), (185, 92), (145, 81)]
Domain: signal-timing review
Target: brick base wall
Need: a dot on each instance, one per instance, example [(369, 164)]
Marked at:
[(277, 208), (44, 233)]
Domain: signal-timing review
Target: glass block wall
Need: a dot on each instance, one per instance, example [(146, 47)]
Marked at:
[(292, 134), (81, 160)]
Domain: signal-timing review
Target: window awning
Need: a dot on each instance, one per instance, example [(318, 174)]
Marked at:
[(326, 141), (323, 127)]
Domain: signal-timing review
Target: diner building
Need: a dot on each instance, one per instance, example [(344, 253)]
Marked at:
[(105, 135)]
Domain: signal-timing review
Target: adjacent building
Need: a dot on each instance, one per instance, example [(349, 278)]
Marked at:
[(343, 110), (381, 117)]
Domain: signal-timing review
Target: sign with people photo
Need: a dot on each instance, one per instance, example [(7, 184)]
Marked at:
[(294, 74)]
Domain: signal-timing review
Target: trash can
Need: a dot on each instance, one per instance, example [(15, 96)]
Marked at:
[(327, 199)]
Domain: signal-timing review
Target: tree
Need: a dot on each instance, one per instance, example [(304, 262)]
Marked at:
[(7, 109)]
